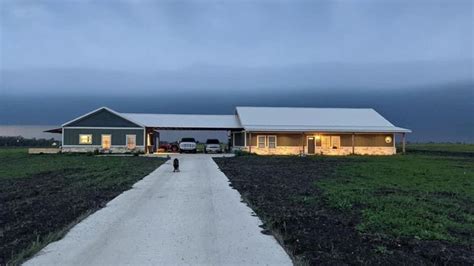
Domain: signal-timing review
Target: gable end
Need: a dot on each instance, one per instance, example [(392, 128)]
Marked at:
[(101, 118)]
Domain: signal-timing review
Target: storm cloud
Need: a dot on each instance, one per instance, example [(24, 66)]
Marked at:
[(232, 44)]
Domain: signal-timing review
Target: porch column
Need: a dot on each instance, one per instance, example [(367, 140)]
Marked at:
[(403, 143), (353, 143), (245, 138), (302, 142), (250, 140)]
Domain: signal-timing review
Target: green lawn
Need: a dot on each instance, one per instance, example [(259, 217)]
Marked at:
[(426, 197), (41, 196), (441, 147)]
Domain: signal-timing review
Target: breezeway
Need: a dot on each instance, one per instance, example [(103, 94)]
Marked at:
[(190, 217)]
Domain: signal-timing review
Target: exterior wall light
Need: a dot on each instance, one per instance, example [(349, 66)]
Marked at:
[(318, 137), (388, 139)]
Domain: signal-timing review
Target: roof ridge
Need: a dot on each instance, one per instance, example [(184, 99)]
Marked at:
[(305, 107), (177, 114)]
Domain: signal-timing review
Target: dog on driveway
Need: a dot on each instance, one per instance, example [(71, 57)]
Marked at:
[(176, 165)]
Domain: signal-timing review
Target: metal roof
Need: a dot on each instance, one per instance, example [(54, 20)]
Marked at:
[(185, 121), (269, 119), (300, 119)]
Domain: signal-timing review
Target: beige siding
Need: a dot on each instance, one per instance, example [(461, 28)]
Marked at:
[(291, 140)]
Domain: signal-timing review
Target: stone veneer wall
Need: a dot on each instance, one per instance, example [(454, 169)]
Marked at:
[(357, 150), (279, 150), (93, 148), (291, 150)]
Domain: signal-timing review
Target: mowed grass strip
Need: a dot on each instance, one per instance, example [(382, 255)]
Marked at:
[(425, 197), (41, 196)]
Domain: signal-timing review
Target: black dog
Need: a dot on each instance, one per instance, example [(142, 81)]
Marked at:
[(176, 165)]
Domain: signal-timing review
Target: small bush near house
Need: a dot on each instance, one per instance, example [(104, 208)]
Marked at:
[(238, 153)]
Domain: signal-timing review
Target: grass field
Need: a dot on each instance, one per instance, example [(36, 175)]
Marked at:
[(424, 197), (41, 196), (405, 209), (442, 147)]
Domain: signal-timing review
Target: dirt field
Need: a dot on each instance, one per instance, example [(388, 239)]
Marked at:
[(333, 210), (42, 195)]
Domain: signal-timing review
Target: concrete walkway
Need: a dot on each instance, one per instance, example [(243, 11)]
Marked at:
[(191, 217)]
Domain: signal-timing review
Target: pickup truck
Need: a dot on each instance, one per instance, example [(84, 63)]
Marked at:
[(187, 145)]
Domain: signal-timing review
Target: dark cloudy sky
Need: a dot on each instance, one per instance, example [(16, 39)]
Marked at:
[(146, 39), (243, 51)]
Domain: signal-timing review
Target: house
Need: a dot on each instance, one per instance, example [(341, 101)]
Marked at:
[(261, 130)]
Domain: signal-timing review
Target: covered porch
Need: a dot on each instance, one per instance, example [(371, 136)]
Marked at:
[(318, 142)]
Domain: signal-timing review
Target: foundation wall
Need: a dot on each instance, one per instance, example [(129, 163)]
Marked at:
[(117, 149), (280, 150), (43, 150), (290, 150), (357, 150)]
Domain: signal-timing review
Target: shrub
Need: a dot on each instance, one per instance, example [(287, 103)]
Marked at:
[(243, 153)]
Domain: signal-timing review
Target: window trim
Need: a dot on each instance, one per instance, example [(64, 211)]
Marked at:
[(88, 143), (126, 141), (264, 141), (276, 141)]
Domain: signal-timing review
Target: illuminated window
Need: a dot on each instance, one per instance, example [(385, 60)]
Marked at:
[(261, 141), (326, 142), (272, 142), (335, 142), (131, 142), (106, 142), (85, 139)]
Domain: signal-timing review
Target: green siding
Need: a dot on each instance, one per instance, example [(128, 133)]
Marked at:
[(102, 118), (71, 136)]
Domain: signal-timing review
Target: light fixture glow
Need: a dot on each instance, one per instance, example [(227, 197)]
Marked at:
[(318, 137), (388, 139)]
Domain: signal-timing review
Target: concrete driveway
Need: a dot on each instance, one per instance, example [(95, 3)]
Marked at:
[(191, 217)]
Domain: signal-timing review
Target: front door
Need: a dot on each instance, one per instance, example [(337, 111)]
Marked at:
[(311, 145), (106, 142)]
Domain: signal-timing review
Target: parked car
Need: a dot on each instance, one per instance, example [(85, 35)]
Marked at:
[(187, 145), (213, 145), (169, 147)]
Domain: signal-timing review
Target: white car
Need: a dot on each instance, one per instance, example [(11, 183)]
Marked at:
[(213, 145), (187, 145)]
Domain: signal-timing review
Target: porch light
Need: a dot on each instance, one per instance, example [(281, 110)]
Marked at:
[(318, 137)]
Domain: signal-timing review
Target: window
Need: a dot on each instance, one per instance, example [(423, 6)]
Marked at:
[(272, 142), (131, 142), (106, 142), (335, 142), (261, 141), (85, 139), (326, 142)]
